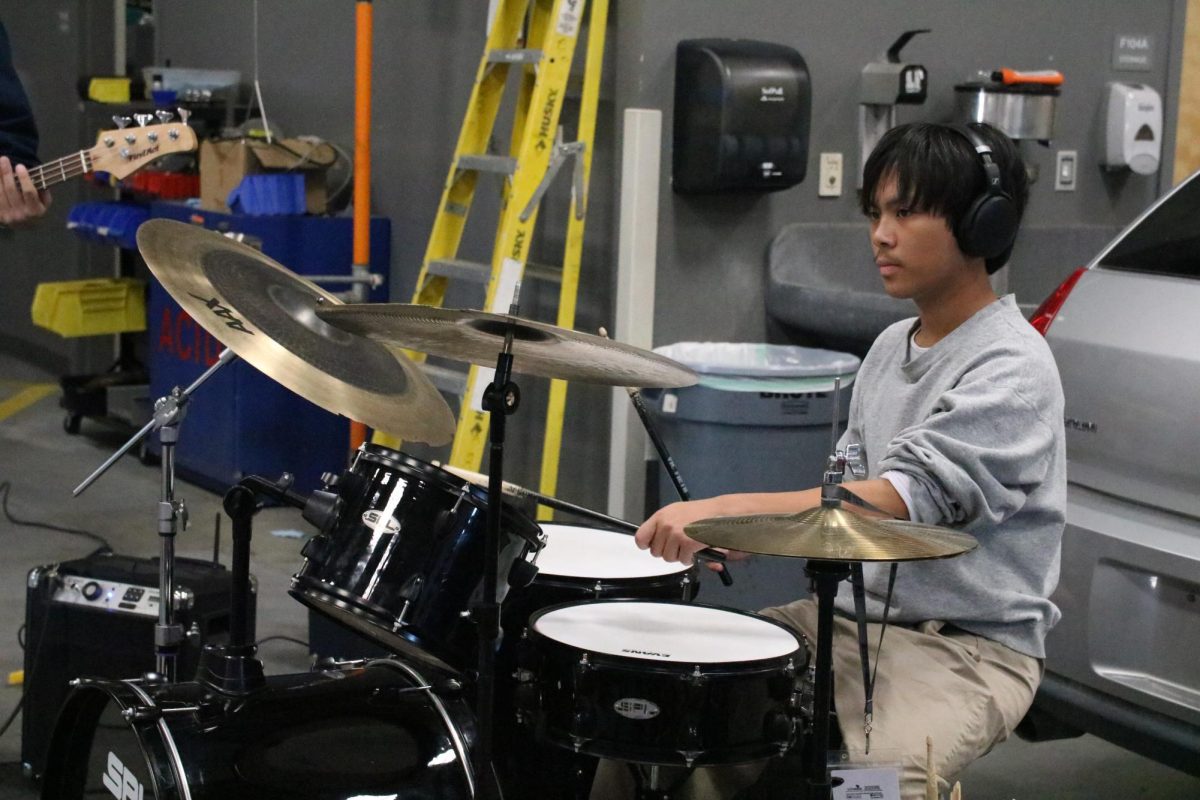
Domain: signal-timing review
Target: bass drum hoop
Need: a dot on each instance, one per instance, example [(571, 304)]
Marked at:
[(80, 717)]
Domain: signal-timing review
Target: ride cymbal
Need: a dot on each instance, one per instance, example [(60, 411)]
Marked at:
[(264, 313), (538, 348), (831, 534)]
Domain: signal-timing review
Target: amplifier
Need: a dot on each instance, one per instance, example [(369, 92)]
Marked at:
[(95, 616)]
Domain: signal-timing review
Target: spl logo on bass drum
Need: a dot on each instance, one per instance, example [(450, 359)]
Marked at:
[(120, 780), (374, 519)]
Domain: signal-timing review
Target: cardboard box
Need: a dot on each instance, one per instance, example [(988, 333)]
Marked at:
[(224, 163)]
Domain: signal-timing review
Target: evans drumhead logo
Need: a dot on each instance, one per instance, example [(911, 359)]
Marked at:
[(120, 780), (373, 518), (636, 708)]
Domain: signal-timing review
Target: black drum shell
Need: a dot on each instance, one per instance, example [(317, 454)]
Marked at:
[(707, 714), (559, 772), (431, 553), (332, 735)]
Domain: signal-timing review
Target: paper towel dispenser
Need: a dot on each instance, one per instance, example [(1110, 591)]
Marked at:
[(741, 116)]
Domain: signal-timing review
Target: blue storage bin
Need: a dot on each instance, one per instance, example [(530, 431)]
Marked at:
[(274, 193)]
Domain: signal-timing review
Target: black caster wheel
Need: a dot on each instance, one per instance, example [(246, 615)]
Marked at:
[(71, 423)]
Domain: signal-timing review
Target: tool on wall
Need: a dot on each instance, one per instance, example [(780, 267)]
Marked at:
[(537, 37), (886, 83)]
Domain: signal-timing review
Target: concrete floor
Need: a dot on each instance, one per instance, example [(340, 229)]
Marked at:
[(42, 464)]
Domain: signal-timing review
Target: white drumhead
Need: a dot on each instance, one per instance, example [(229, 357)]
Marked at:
[(673, 632), (572, 551)]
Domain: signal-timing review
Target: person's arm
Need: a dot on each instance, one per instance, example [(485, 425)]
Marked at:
[(20, 202), (663, 533), (985, 447)]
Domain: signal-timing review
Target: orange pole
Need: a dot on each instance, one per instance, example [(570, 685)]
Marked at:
[(362, 157)]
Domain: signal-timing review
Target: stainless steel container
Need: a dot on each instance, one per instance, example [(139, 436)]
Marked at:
[(1022, 112)]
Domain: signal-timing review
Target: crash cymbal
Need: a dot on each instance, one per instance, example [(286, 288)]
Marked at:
[(264, 313), (538, 348), (831, 534)]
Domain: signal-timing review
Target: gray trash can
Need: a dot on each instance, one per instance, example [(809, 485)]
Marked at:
[(759, 420)]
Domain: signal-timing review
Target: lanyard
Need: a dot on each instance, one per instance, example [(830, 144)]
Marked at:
[(860, 614)]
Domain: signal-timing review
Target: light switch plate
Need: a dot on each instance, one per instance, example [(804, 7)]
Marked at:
[(830, 184), (1066, 170)]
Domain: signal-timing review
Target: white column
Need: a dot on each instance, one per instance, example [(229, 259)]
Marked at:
[(634, 314)]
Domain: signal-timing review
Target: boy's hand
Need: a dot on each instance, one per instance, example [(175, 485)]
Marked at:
[(664, 537)]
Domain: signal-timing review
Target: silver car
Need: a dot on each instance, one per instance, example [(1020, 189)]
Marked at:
[(1124, 662)]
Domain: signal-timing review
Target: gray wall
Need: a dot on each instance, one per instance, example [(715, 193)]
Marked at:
[(711, 250), (711, 259)]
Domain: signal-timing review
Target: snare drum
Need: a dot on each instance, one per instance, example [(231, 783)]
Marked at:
[(665, 683), (376, 730), (403, 560), (576, 562)]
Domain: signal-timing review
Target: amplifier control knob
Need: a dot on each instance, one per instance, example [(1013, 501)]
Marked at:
[(91, 591)]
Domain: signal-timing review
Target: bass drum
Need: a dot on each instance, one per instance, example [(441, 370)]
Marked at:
[(376, 730)]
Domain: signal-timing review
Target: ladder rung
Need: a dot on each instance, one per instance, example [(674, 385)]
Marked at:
[(502, 165), (480, 272), (458, 268), (514, 56), (446, 379), (543, 272)]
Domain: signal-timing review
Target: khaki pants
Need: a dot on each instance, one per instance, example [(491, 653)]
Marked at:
[(964, 691)]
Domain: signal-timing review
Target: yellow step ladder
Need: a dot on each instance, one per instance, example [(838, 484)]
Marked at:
[(539, 38)]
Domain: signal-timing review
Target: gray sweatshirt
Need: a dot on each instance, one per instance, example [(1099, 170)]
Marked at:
[(976, 422)]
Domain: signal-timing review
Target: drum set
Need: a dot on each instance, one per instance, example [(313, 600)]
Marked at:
[(521, 653)]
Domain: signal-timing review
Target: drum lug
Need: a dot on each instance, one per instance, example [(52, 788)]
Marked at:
[(683, 586), (400, 622), (690, 756), (138, 714), (695, 677), (790, 669), (597, 589)]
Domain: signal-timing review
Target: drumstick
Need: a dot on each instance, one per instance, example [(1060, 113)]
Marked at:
[(669, 463), (956, 792), (513, 490), (931, 791)]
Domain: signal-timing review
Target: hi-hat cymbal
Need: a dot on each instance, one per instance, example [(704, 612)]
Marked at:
[(831, 534), (538, 348), (264, 313)]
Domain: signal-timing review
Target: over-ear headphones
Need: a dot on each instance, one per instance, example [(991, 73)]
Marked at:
[(989, 225)]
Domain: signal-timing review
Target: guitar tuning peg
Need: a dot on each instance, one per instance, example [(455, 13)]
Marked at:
[(164, 116), (121, 121), (183, 115), (143, 119)]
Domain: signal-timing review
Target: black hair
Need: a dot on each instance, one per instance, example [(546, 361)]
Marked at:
[(938, 171)]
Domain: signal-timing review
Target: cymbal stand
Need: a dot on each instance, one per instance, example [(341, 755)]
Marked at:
[(500, 400), (169, 412), (825, 575)]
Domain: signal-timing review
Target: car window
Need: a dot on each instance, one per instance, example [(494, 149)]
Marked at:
[(1167, 241)]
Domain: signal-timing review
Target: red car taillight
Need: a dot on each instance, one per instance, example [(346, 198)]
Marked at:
[(1048, 310)]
